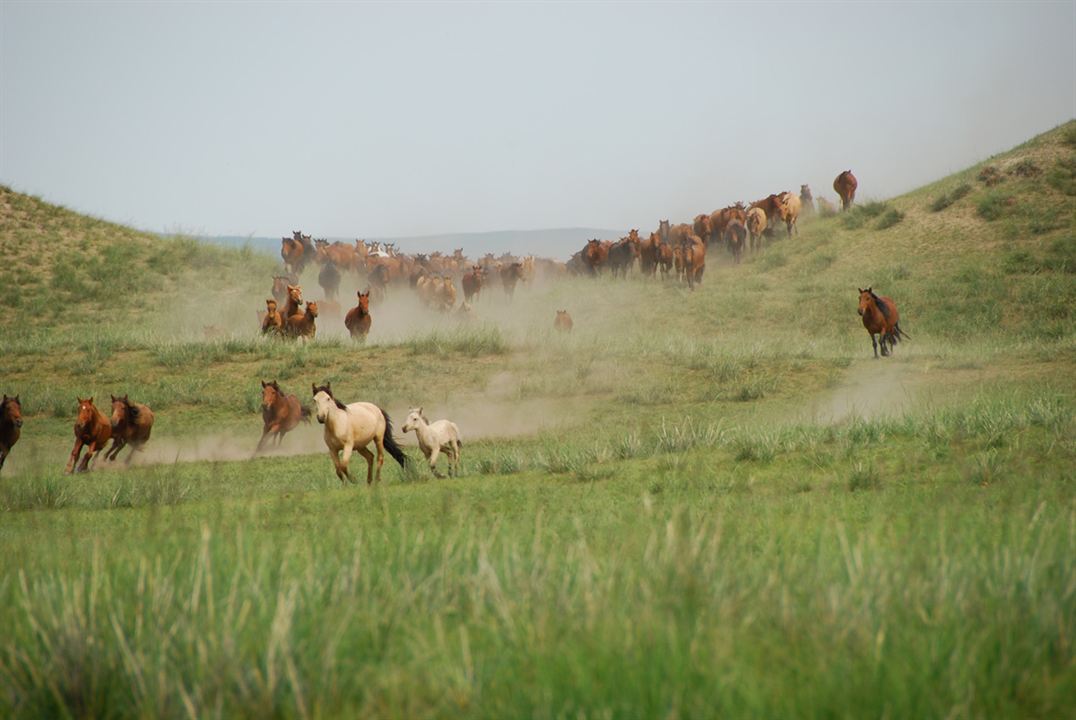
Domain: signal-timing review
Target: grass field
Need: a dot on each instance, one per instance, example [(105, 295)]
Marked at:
[(697, 505)]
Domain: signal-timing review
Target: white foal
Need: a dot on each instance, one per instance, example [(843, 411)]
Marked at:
[(435, 438)]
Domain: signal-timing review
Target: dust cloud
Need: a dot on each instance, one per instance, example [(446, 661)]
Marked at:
[(870, 389)]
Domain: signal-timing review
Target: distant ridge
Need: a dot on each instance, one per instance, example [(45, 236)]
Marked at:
[(558, 243)]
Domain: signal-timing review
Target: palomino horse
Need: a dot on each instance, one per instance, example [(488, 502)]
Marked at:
[(881, 318), (435, 438), (358, 320), (131, 424), (280, 413), (93, 430), (845, 184), (351, 428), (10, 425)]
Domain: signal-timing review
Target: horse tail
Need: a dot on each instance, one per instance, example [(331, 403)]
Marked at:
[(390, 442), (901, 333), (304, 414)]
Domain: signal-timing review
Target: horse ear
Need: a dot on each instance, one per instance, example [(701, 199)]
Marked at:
[(16, 399), (112, 396), (263, 383), (125, 399), (314, 388), (870, 289)]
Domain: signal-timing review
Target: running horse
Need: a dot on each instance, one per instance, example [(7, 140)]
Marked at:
[(280, 413), (92, 430), (881, 319), (131, 424), (351, 428)]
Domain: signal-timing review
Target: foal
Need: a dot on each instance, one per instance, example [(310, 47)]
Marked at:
[(435, 438)]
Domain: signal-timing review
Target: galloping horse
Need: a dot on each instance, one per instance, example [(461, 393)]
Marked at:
[(295, 301), (358, 320), (273, 322), (351, 428), (472, 282), (694, 252), (131, 423), (280, 413), (93, 430), (881, 318), (10, 425)]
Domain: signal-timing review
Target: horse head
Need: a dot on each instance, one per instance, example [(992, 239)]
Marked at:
[(414, 419), (11, 410), (866, 300), (270, 392), (87, 412)]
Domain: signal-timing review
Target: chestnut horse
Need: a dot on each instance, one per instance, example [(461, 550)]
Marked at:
[(357, 321), (694, 253), (93, 430), (294, 302), (881, 318), (845, 184), (131, 424), (303, 325), (472, 283), (280, 413), (10, 425), (272, 322)]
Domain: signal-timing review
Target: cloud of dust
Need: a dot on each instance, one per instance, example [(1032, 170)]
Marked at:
[(870, 389)]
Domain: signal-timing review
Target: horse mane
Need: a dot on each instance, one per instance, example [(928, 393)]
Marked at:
[(881, 305), (325, 389)]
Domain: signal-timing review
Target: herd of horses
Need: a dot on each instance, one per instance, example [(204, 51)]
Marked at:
[(671, 249)]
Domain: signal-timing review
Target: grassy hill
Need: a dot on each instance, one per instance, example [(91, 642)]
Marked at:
[(701, 503)]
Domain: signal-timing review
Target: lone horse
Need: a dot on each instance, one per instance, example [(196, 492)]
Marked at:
[(10, 425), (881, 318), (358, 320), (92, 430), (280, 413), (845, 184), (351, 428), (131, 424)]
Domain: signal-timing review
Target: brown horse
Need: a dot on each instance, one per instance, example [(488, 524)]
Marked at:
[(807, 201), (273, 322), (329, 279), (302, 325), (280, 288), (280, 413), (291, 307), (93, 430), (845, 184), (736, 237), (510, 275), (649, 252), (472, 283), (357, 321), (10, 425), (880, 318), (131, 424), (595, 254), (694, 251), (563, 321)]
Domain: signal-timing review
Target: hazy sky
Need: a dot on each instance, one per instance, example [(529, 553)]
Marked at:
[(376, 119)]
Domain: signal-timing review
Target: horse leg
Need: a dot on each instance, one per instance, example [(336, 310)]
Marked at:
[(454, 466), (435, 454), (881, 341), (365, 452), (380, 443), (345, 458), (874, 342), (266, 432), (3, 456), (91, 451), (114, 451), (74, 456)]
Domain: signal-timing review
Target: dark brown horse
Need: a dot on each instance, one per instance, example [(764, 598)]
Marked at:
[(93, 430), (280, 413), (881, 318), (131, 424), (10, 425), (736, 237), (510, 275), (472, 282), (329, 279), (845, 184), (595, 255), (357, 321)]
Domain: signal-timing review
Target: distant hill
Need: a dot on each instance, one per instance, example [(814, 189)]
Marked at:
[(557, 243)]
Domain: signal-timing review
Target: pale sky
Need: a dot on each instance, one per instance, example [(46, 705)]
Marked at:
[(351, 120)]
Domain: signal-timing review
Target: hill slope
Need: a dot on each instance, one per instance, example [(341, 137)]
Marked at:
[(703, 504)]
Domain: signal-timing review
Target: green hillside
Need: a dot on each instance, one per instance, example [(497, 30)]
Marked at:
[(699, 504)]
